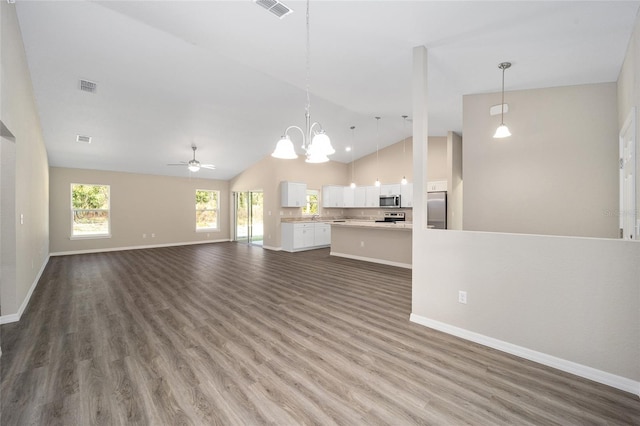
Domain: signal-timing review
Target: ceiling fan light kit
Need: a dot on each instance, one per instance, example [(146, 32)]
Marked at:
[(194, 165)]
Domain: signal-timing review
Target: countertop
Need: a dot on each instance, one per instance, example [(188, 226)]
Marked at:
[(355, 223), (369, 224)]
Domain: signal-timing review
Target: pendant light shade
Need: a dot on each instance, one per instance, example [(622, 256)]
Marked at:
[(502, 131), (284, 149)]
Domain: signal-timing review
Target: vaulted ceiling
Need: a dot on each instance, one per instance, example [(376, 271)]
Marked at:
[(230, 77)]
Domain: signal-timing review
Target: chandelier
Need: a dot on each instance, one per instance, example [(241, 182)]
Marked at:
[(315, 142)]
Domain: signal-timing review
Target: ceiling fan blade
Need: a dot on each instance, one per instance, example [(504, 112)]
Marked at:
[(177, 164), (207, 166)]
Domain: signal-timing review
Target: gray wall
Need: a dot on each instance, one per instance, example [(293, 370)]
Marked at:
[(140, 204), (557, 174), (20, 116)]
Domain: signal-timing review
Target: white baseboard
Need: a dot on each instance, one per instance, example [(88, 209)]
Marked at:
[(272, 248), (104, 250), (590, 373), (5, 319), (372, 259)]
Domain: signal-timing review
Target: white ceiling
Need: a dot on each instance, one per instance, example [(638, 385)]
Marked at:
[(230, 77)]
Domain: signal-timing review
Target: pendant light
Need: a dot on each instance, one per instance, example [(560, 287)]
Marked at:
[(502, 131), (377, 182), (404, 139), (353, 141), (316, 144)]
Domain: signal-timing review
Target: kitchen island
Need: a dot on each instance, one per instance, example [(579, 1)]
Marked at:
[(386, 243)]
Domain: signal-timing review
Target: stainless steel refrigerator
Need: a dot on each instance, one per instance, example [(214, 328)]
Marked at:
[(437, 210)]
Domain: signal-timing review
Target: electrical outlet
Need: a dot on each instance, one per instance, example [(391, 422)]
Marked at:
[(361, 243), (153, 235), (462, 297), (144, 235)]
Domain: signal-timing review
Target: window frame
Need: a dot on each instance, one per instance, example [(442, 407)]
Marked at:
[(73, 210), (216, 210), (306, 209)]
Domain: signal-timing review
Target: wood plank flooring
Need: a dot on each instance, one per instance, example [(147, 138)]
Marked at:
[(229, 334)]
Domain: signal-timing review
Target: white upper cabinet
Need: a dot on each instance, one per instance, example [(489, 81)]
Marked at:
[(359, 196), (387, 190), (437, 186), (406, 195), (372, 197), (293, 194), (349, 196), (332, 196)]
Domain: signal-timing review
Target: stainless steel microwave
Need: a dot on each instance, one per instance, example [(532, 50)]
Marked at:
[(390, 201)]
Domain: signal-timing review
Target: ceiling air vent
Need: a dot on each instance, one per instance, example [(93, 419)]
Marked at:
[(275, 7), (83, 139), (88, 86)]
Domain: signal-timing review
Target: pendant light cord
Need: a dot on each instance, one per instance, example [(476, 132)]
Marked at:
[(353, 141), (502, 105)]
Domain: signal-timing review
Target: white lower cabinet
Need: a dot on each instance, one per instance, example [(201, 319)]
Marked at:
[(305, 236)]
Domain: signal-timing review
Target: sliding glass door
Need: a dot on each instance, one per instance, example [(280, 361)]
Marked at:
[(248, 217)]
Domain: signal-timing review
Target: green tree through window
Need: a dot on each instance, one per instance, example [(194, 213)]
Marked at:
[(90, 209), (311, 207), (207, 209)]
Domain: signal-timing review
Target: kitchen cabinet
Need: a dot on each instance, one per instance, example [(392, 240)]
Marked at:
[(359, 196), (293, 194), (437, 186), (406, 195), (372, 196), (332, 196), (349, 196), (386, 190), (305, 236), (322, 234)]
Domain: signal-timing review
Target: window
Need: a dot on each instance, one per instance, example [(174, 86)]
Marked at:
[(207, 209), (311, 206), (90, 210)]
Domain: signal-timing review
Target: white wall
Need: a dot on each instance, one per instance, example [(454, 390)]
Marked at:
[(20, 116), (558, 172), (573, 303)]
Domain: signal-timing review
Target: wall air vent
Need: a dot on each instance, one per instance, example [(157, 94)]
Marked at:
[(88, 86), (275, 7), (83, 139)]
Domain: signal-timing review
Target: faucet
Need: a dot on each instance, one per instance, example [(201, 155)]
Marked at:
[(315, 217)]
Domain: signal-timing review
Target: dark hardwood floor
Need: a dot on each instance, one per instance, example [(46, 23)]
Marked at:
[(233, 334)]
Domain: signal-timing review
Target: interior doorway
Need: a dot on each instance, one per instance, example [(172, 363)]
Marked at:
[(249, 208), (629, 222)]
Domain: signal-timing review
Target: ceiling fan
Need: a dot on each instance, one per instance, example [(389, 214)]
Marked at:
[(193, 164)]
